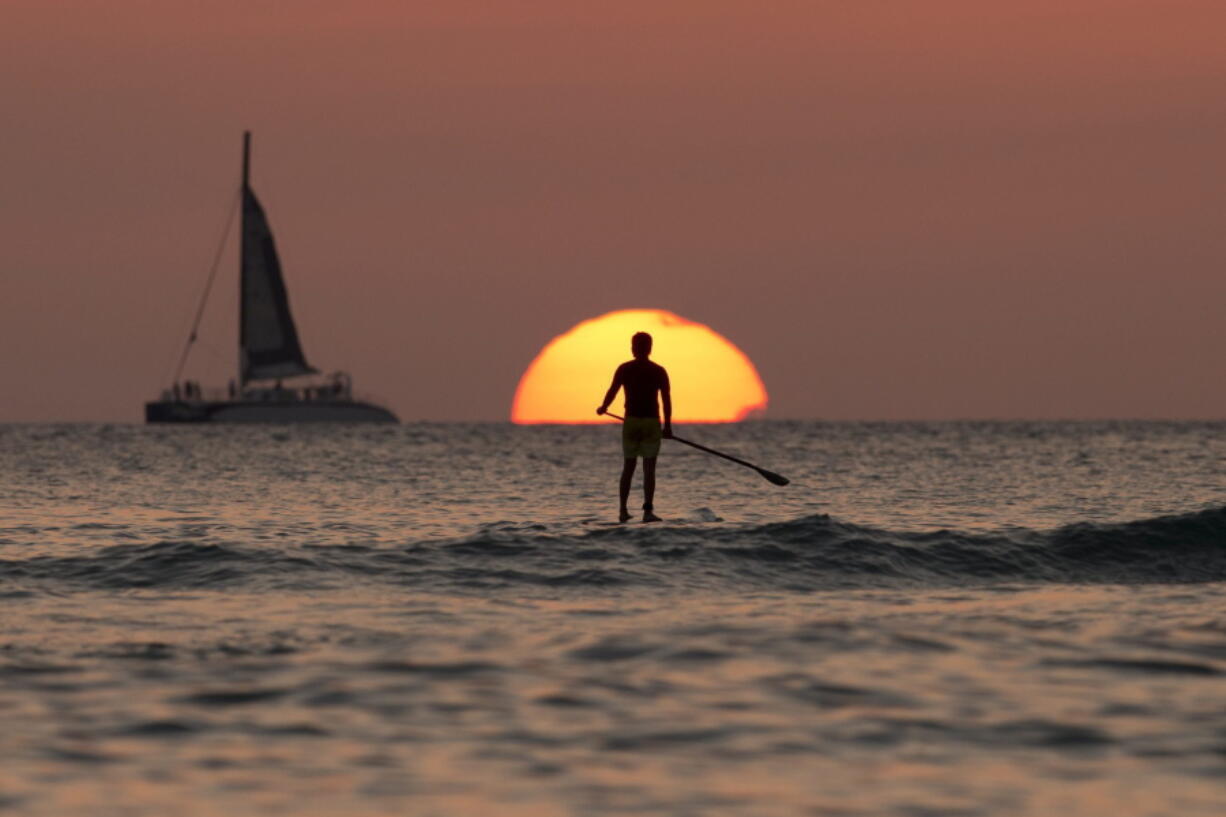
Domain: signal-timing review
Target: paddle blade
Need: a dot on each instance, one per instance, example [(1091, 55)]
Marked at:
[(771, 476)]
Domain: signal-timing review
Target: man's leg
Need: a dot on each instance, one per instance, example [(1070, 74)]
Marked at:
[(624, 495), (649, 489)]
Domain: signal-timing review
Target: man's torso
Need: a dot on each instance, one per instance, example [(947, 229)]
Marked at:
[(642, 381)]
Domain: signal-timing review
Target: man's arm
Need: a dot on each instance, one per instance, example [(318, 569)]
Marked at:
[(666, 397), (612, 392)]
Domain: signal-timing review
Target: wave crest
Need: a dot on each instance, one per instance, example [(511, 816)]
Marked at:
[(809, 553)]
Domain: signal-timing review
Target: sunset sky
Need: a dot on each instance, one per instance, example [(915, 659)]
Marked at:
[(897, 210)]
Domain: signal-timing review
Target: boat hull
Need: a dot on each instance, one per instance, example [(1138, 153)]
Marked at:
[(253, 411)]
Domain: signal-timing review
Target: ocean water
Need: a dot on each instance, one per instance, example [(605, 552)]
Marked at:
[(442, 619)]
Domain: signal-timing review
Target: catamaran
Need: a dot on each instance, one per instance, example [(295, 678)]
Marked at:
[(269, 350)]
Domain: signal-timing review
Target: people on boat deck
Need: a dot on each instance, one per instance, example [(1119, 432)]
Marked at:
[(190, 390), (646, 384), (187, 390)]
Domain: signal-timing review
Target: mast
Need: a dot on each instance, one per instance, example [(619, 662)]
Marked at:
[(246, 156), (242, 261)]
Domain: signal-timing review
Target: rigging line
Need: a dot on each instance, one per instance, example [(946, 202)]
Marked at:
[(208, 287)]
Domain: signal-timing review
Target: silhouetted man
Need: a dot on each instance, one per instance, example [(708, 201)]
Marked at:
[(641, 431)]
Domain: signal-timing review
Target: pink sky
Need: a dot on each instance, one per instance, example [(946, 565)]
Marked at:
[(897, 210)]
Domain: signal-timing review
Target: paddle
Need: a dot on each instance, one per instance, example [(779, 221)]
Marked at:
[(770, 476)]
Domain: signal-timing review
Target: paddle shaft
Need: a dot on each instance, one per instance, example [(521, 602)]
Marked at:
[(770, 475)]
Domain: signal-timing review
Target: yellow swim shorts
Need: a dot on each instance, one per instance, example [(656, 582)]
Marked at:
[(641, 437)]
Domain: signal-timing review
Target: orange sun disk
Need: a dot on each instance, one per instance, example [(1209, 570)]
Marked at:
[(712, 380)]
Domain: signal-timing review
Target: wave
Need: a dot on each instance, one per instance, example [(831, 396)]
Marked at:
[(811, 553)]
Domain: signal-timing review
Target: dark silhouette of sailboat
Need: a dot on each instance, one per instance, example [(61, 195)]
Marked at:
[(269, 350)]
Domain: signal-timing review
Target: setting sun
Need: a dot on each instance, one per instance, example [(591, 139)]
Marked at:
[(712, 380)]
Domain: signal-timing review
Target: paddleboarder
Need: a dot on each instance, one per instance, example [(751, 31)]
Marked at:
[(646, 385)]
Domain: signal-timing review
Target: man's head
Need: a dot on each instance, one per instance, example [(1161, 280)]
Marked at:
[(640, 344)]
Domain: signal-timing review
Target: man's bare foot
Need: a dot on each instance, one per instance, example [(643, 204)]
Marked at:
[(623, 516), (648, 516)]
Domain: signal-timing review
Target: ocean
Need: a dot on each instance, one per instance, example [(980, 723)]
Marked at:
[(933, 620)]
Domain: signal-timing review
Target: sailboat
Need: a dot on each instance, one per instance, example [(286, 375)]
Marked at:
[(269, 351)]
